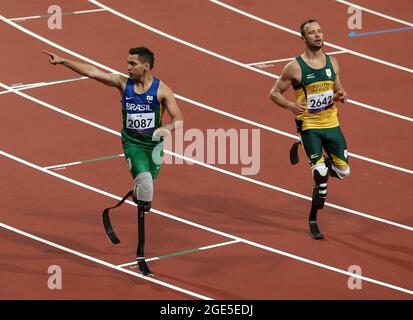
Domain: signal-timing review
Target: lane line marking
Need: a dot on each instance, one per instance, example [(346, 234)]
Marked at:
[(41, 84), (274, 25), (83, 161), (224, 234), (202, 164), (182, 252), (49, 15), (385, 16), (101, 262), (240, 64)]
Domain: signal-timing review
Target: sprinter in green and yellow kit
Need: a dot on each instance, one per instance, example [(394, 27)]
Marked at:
[(314, 77)]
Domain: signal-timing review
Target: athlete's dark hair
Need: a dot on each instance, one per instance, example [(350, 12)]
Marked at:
[(145, 55), (304, 24)]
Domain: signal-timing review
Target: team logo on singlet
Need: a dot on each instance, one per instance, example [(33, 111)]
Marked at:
[(328, 73), (149, 98)]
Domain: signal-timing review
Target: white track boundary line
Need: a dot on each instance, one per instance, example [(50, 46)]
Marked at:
[(385, 16), (274, 25), (128, 264), (202, 164), (186, 43), (101, 262), (199, 226), (290, 59), (70, 164), (219, 56), (55, 45), (42, 84), (63, 165), (63, 13)]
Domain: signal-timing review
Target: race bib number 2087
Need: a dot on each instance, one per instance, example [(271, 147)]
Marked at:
[(320, 101), (140, 120)]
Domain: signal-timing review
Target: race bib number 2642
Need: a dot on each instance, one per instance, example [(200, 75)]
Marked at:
[(320, 101)]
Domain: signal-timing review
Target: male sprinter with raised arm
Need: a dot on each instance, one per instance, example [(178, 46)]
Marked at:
[(144, 100), (314, 77)]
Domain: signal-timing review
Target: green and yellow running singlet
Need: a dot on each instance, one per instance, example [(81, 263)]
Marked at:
[(316, 90)]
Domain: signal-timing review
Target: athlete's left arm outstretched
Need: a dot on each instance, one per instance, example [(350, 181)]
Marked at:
[(339, 93), (167, 99)]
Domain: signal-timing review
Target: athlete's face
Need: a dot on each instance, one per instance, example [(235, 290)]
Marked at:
[(136, 69), (313, 36)]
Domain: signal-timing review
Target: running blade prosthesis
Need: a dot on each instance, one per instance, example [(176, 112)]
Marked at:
[(141, 234), (143, 267), (294, 159), (314, 230), (317, 203)]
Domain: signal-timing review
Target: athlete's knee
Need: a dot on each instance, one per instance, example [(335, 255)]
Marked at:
[(340, 172), (143, 190), (321, 168)]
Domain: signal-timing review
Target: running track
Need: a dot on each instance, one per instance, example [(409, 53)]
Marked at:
[(208, 60)]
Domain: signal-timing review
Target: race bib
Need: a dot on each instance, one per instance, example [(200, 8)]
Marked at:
[(140, 120), (319, 102)]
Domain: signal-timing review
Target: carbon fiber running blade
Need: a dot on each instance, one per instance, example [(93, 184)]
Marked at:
[(144, 268), (108, 228), (294, 153), (314, 230)]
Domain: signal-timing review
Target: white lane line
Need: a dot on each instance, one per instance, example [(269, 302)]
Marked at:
[(208, 166), (55, 45), (48, 15), (128, 264), (64, 165), (199, 226), (101, 262), (289, 59), (186, 43), (219, 56), (385, 16), (219, 245), (274, 25), (41, 84), (88, 11)]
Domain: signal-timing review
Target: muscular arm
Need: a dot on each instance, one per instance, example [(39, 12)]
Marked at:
[(90, 71), (288, 75), (339, 93), (167, 99)]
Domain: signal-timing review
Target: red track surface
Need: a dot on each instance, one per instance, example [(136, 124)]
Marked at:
[(58, 211)]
